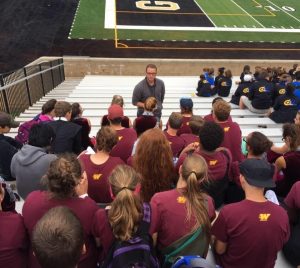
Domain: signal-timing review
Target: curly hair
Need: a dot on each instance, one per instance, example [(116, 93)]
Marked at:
[(211, 136), (154, 161), (126, 209), (63, 176), (106, 139), (150, 104)]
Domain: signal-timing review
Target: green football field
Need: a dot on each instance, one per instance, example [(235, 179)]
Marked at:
[(276, 21)]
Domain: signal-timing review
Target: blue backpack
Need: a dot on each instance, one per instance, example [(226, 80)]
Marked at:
[(193, 262), (138, 252)]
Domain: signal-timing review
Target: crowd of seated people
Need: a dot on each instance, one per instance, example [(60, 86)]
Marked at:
[(140, 184)]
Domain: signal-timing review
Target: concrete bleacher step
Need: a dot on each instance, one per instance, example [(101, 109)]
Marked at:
[(94, 93)]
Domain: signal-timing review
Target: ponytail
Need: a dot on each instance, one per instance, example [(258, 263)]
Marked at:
[(126, 210), (194, 169)]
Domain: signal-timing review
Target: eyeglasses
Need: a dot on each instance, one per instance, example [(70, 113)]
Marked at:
[(151, 73)]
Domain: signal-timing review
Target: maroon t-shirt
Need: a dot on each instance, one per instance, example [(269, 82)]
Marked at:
[(293, 198), (102, 230), (189, 138), (144, 122), (97, 175), (168, 208), (126, 139), (185, 128), (216, 162), (38, 203), (14, 242), (176, 143), (254, 233), (291, 173), (124, 123), (232, 139)]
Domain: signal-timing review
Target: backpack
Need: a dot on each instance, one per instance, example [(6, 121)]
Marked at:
[(137, 252), (24, 129), (193, 262)]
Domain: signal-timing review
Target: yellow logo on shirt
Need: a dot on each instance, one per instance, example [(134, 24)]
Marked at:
[(246, 90), (287, 103), (281, 91), (181, 199), (264, 216), (187, 123), (213, 162), (226, 129), (96, 176), (262, 89), (120, 138), (223, 84)]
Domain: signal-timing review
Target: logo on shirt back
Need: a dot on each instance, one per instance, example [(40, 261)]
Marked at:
[(289, 102), (181, 199), (262, 89), (120, 138), (246, 90), (213, 162), (281, 91), (264, 216), (226, 129), (97, 176), (223, 84)]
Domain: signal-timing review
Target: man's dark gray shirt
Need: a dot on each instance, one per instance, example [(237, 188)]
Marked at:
[(143, 90)]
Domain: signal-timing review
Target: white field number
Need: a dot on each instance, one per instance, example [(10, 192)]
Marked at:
[(158, 5), (285, 8)]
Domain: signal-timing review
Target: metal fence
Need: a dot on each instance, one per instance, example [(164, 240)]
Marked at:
[(21, 88)]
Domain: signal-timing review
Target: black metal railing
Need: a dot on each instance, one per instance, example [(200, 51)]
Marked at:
[(21, 88)]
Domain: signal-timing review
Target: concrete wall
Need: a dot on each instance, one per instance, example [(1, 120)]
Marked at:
[(81, 66)]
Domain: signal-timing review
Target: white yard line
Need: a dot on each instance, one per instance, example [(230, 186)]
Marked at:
[(247, 13), (204, 13), (284, 11), (110, 10)]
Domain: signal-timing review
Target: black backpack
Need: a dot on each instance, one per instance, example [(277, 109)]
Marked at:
[(138, 252)]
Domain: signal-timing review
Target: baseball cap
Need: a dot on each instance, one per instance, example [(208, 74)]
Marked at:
[(247, 77), (186, 102), (115, 111), (7, 120), (257, 172)]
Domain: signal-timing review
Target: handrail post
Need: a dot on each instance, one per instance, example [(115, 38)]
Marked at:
[(3, 92), (27, 87), (52, 77), (43, 87)]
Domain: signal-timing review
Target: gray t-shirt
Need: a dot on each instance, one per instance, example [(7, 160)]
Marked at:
[(143, 90)]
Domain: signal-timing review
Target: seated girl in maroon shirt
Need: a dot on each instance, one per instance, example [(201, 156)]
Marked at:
[(289, 163), (13, 238), (98, 166), (121, 219), (65, 181), (186, 205)]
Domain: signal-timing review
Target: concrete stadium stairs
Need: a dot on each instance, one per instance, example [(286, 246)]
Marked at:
[(94, 93)]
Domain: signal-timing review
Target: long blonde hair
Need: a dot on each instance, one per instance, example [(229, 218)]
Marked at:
[(194, 169), (126, 209)]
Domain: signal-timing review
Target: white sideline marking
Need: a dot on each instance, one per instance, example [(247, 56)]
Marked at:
[(248, 13), (206, 29), (110, 11), (284, 11), (205, 13)]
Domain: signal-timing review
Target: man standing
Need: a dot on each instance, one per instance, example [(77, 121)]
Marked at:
[(251, 232), (149, 87)]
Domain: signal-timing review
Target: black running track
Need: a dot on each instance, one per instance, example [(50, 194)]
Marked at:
[(189, 14)]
